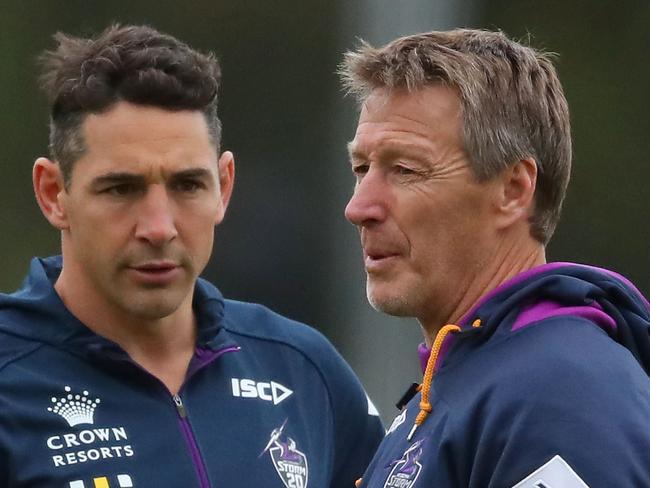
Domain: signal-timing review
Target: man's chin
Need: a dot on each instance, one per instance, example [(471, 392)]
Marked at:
[(151, 312), (148, 307), (396, 305)]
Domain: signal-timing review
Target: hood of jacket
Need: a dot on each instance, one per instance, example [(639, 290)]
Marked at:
[(36, 313), (604, 297)]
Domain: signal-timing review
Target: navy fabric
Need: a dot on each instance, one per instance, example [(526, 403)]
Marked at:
[(506, 402), (267, 402)]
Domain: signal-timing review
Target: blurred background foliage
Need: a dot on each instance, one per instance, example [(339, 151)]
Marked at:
[(285, 242)]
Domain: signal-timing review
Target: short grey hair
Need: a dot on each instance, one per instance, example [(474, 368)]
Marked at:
[(513, 105)]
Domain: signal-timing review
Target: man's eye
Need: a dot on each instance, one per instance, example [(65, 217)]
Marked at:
[(121, 190), (404, 170), (360, 169), (188, 186)]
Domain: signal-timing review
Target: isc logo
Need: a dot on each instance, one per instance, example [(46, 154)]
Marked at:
[(270, 392)]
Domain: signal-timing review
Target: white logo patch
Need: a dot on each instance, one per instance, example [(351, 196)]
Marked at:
[(289, 462), (85, 445), (75, 409), (399, 420), (267, 391), (406, 470), (554, 474)]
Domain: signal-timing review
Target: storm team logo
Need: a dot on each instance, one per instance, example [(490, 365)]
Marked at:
[(407, 469), (289, 462)]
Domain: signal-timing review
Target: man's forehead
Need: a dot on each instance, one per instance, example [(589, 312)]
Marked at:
[(378, 99), (399, 118), (123, 123), (386, 99)]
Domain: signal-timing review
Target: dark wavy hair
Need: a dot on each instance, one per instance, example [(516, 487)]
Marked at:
[(136, 64)]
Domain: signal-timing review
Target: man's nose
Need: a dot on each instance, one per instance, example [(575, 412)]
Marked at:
[(156, 221), (367, 205)]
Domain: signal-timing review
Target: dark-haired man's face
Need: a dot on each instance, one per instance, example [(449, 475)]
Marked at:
[(141, 209)]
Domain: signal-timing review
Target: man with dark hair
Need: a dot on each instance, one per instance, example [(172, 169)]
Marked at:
[(535, 373), (119, 367)]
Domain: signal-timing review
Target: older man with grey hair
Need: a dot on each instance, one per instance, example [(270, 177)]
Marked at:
[(535, 373)]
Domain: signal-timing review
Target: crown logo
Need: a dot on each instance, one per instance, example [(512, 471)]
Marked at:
[(75, 409)]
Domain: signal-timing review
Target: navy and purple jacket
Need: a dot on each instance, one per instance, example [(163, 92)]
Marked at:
[(267, 402), (545, 385)]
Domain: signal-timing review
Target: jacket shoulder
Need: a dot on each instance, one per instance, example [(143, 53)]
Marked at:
[(259, 322), (549, 390), (573, 351), (14, 347), (556, 360)]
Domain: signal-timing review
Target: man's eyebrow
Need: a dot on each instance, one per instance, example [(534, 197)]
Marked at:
[(198, 173), (117, 178), (353, 152), (138, 179)]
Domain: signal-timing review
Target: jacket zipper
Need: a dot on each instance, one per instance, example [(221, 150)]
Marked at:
[(186, 428), (197, 460)]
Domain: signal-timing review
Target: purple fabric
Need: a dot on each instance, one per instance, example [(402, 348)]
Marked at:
[(202, 357), (542, 310), (537, 311), (511, 282), (423, 354), (204, 482)]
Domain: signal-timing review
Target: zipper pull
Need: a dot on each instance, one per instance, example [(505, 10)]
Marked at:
[(179, 406)]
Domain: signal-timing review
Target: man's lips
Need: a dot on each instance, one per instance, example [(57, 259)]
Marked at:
[(377, 251), (374, 260), (376, 256), (158, 272), (155, 267)]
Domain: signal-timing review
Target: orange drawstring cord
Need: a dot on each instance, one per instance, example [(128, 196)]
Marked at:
[(425, 404), (425, 387)]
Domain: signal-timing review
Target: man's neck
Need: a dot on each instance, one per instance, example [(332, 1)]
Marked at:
[(507, 262), (162, 346)]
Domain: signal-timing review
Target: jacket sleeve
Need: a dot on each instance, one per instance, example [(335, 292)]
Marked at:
[(569, 409)]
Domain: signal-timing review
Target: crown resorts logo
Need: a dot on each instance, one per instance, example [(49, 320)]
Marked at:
[(86, 445), (75, 409)]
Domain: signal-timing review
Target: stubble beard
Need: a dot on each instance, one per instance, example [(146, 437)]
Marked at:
[(152, 302), (397, 304)]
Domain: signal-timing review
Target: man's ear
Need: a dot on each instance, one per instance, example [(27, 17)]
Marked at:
[(48, 188), (226, 182), (517, 194)]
